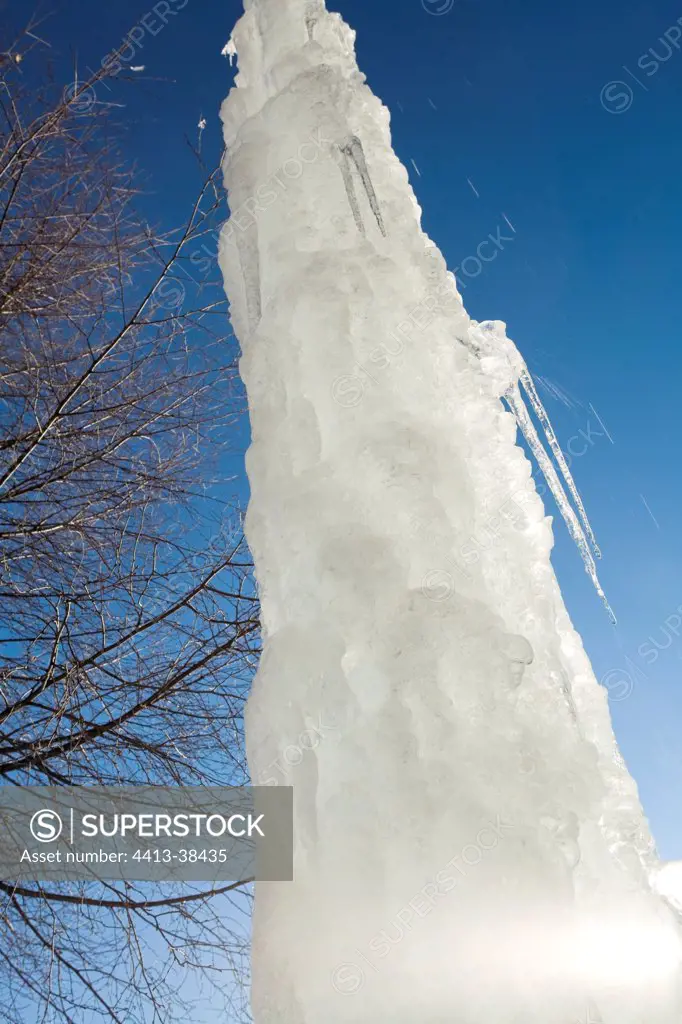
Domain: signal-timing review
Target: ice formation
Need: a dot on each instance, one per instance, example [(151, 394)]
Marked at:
[(668, 881), (229, 50), (470, 847), (501, 360)]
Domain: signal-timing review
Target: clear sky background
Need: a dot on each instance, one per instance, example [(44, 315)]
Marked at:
[(503, 109)]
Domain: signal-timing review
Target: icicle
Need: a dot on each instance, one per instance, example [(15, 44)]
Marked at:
[(353, 150), (541, 413), (503, 363), (344, 164), (229, 50), (358, 155), (432, 721), (518, 407)]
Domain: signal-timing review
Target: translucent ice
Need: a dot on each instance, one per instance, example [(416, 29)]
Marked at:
[(501, 360), (469, 844), (530, 389)]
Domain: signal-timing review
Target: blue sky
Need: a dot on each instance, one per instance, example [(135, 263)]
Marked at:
[(564, 119)]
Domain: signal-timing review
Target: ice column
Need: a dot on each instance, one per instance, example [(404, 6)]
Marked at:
[(470, 847)]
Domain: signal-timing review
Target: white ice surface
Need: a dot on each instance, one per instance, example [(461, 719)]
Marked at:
[(470, 848), (667, 880)]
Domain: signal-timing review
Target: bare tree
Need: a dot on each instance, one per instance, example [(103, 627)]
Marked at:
[(128, 622)]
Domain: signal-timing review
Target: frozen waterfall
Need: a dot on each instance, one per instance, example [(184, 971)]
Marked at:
[(469, 846)]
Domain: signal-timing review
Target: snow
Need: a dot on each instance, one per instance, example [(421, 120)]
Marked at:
[(469, 844)]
